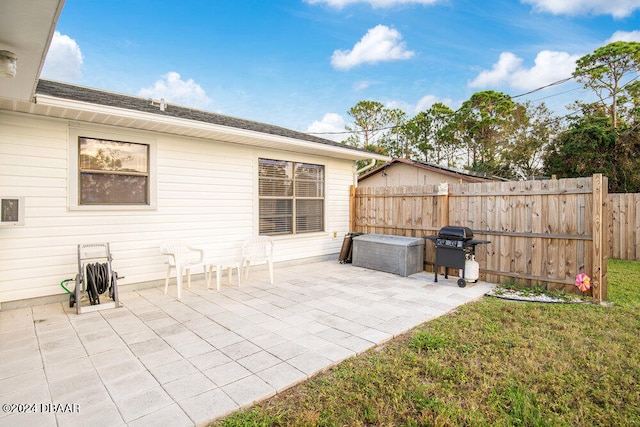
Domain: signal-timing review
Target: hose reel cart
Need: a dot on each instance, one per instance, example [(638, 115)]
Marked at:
[(96, 281)]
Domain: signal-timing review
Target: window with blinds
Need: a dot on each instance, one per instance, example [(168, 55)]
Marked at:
[(291, 197)]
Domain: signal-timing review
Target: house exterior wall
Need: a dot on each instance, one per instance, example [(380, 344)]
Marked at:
[(207, 194), (402, 174)]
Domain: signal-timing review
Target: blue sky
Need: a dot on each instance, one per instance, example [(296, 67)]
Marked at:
[(303, 64)]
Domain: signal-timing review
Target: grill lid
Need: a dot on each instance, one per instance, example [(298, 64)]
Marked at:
[(455, 233)]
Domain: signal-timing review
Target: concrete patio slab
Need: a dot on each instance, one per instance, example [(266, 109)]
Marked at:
[(162, 361)]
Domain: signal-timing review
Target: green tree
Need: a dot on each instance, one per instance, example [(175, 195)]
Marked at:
[(605, 70), (585, 148), (627, 177), (371, 121), (532, 128), (417, 130), (445, 144), (426, 136), (397, 142), (482, 123), (633, 91)]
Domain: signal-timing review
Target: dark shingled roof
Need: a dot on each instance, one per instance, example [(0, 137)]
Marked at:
[(136, 103)]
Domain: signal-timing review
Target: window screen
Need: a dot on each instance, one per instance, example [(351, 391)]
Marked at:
[(291, 197)]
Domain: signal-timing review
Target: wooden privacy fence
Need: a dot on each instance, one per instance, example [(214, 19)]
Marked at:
[(541, 232), (623, 237)]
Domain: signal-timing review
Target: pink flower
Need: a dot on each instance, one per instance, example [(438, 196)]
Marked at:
[(583, 282)]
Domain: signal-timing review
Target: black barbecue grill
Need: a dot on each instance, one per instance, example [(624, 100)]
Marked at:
[(454, 246)]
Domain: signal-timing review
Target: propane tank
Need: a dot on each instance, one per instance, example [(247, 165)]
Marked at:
[(471, 269)]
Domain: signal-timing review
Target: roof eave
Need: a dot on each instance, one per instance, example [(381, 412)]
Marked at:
[(108, 115)]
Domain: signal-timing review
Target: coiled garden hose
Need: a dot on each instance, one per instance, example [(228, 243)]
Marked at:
[(97, 283)]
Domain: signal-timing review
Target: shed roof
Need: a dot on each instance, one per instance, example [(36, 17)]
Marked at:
[(465, 175)]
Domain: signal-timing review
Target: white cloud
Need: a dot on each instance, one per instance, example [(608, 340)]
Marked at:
[(177, 91), (423, 104), (339, 4), (381, 43), (615, 8), (332, 123), (549, 66), (428, 100), (64, 59), (500, 73), (362, 85), (624, 36), (401, 105)]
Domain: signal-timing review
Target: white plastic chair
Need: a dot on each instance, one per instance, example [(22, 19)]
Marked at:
[(183, 258), (257, 249)]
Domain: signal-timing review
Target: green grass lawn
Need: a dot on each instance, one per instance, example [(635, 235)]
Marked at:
[(493, 362)]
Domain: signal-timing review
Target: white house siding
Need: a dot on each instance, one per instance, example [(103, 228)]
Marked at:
[(206, 194)]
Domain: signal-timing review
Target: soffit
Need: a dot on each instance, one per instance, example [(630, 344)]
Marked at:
[(26, 29)]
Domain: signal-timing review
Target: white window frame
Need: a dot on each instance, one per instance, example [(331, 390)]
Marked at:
[(77, 132), (294, 232)]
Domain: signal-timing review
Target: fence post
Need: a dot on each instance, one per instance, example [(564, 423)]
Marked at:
[(443, 204), (599, 274), (352, 208)]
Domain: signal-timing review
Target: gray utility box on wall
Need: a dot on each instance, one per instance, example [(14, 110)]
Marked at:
[(393, 254)]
